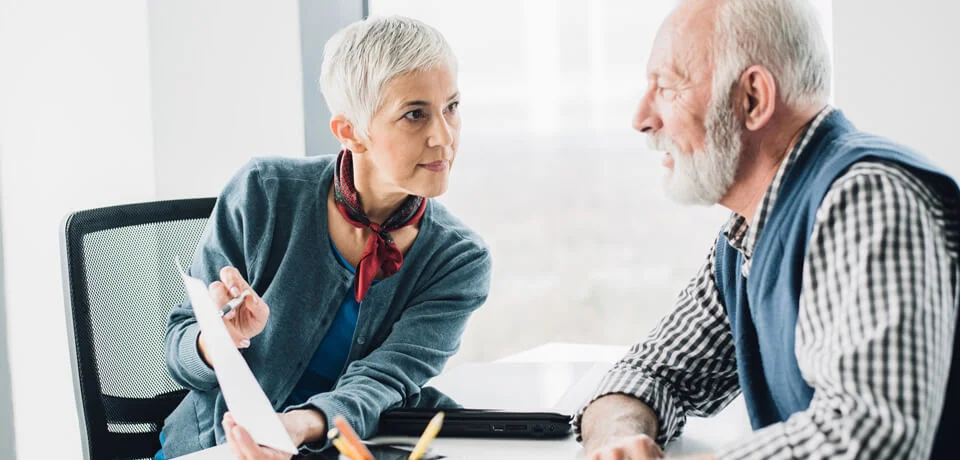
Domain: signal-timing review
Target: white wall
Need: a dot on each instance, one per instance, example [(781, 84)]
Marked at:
[(75, 128), (897, 71), (7, 438), (84, 87), (227, 86)]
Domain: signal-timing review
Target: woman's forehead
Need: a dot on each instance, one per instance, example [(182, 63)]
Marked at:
[(434, 85)]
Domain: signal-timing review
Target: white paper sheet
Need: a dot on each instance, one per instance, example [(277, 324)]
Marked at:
[(248, 404)]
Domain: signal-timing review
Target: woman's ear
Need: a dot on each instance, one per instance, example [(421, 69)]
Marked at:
[(342, 128), (759, 97)]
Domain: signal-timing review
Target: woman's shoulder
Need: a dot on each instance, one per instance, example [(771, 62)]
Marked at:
[(451, 231), (309, 169)]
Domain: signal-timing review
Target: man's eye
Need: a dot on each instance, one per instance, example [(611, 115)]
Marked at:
[(414, 115)]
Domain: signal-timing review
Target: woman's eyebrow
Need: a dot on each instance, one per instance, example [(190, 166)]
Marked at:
[(415, 104)]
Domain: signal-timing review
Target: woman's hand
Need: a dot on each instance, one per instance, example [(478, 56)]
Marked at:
[(243, 446), (304, 425), (246, 320)]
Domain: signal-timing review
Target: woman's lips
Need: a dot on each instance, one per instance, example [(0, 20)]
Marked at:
[(436, 166)]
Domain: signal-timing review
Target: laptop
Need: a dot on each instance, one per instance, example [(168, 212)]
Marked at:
[(500, 400)]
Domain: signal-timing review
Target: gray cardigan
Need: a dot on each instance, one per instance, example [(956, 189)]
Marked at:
[(271, 223)]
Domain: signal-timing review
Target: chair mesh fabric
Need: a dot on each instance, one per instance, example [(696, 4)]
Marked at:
[(129, 285)]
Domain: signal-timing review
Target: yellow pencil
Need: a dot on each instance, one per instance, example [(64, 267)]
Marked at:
[(433, 428), (342, 445)]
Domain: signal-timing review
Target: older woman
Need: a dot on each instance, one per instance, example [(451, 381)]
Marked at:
[(361, 285)]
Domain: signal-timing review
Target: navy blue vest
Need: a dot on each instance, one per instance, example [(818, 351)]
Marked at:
[(763, 309)]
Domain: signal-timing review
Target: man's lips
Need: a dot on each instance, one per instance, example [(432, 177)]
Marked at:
[(667, 160)]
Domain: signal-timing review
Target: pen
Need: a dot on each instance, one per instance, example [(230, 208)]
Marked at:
[(234, 303), (351, 438), (342, 446), (429, 433)]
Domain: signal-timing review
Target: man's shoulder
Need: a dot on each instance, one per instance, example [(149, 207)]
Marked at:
[(888, 181)]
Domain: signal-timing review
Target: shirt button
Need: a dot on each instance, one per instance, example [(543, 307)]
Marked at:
[(361, 340)]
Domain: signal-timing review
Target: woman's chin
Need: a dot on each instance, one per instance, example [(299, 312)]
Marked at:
[(431, 189)]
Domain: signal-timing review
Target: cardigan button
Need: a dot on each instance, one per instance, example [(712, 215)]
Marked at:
[(361, 340)]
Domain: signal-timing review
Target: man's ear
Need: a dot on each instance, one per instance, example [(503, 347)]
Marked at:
[(343, 129), (759, 97)]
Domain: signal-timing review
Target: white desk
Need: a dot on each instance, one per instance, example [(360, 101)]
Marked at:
[(700, 435)]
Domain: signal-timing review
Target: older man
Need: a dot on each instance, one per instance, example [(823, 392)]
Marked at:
[(829, 299)]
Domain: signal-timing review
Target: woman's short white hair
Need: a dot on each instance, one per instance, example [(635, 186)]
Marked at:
[(360, 59), (784, 36)]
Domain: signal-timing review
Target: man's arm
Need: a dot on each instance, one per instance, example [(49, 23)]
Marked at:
[(876, 323), (616, 416), (686, 365)]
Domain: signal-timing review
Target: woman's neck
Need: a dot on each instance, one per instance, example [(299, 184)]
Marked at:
[(378, 199)]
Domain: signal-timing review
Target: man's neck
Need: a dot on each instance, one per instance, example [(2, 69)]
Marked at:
[(762, 157)]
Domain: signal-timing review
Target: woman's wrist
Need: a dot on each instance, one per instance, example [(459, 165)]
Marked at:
[(311, 425)]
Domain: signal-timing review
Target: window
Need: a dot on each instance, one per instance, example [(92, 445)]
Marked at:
[(586, 248)]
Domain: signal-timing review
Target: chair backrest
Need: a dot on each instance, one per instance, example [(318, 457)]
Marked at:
[(120, 282)]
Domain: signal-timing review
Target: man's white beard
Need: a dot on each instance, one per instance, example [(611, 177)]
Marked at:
[(705, 177)]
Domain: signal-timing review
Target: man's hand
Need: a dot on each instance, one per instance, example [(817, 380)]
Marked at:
[(243, 447), (636, 447), (619, 420)]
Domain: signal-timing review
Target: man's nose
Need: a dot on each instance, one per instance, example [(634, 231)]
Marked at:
[(646, 119)]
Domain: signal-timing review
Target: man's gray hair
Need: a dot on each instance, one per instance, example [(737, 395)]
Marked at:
[(360, 59), (784, 36)]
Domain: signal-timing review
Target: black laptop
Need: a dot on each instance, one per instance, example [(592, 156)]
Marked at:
[(499, 400)]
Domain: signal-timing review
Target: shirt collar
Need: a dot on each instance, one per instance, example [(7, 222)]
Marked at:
[(739, 234)]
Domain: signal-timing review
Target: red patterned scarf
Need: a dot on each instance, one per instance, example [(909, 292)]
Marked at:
[(381, 252)]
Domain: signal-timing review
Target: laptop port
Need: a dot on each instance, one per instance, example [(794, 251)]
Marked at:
[(516, 428), (498, 428)]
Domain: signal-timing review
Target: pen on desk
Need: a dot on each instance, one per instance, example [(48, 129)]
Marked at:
[(429, 433), (342, 446), (234, 302), (350, 436)]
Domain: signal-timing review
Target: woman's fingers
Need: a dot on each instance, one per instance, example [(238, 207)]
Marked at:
[(252, 303), (219, 293), (234, 281)]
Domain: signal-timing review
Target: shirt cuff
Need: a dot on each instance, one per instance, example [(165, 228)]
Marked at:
[(190, 359), (659, 397)]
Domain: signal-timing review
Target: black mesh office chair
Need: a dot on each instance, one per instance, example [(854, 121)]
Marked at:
[(119, 284)]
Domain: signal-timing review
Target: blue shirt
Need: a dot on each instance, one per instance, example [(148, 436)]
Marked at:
[(331, 356)]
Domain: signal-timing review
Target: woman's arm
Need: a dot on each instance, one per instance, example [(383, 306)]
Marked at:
[(420, 342), (233, 235)]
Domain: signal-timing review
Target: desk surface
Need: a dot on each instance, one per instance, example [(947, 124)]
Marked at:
[(701, 435)]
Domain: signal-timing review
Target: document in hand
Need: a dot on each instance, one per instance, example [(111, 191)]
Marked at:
[(243, 395)]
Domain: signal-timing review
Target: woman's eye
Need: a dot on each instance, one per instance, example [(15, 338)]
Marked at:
[(453, 107), (414, 115)]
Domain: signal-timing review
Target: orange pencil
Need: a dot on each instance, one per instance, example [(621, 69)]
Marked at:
[(347, 433)]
